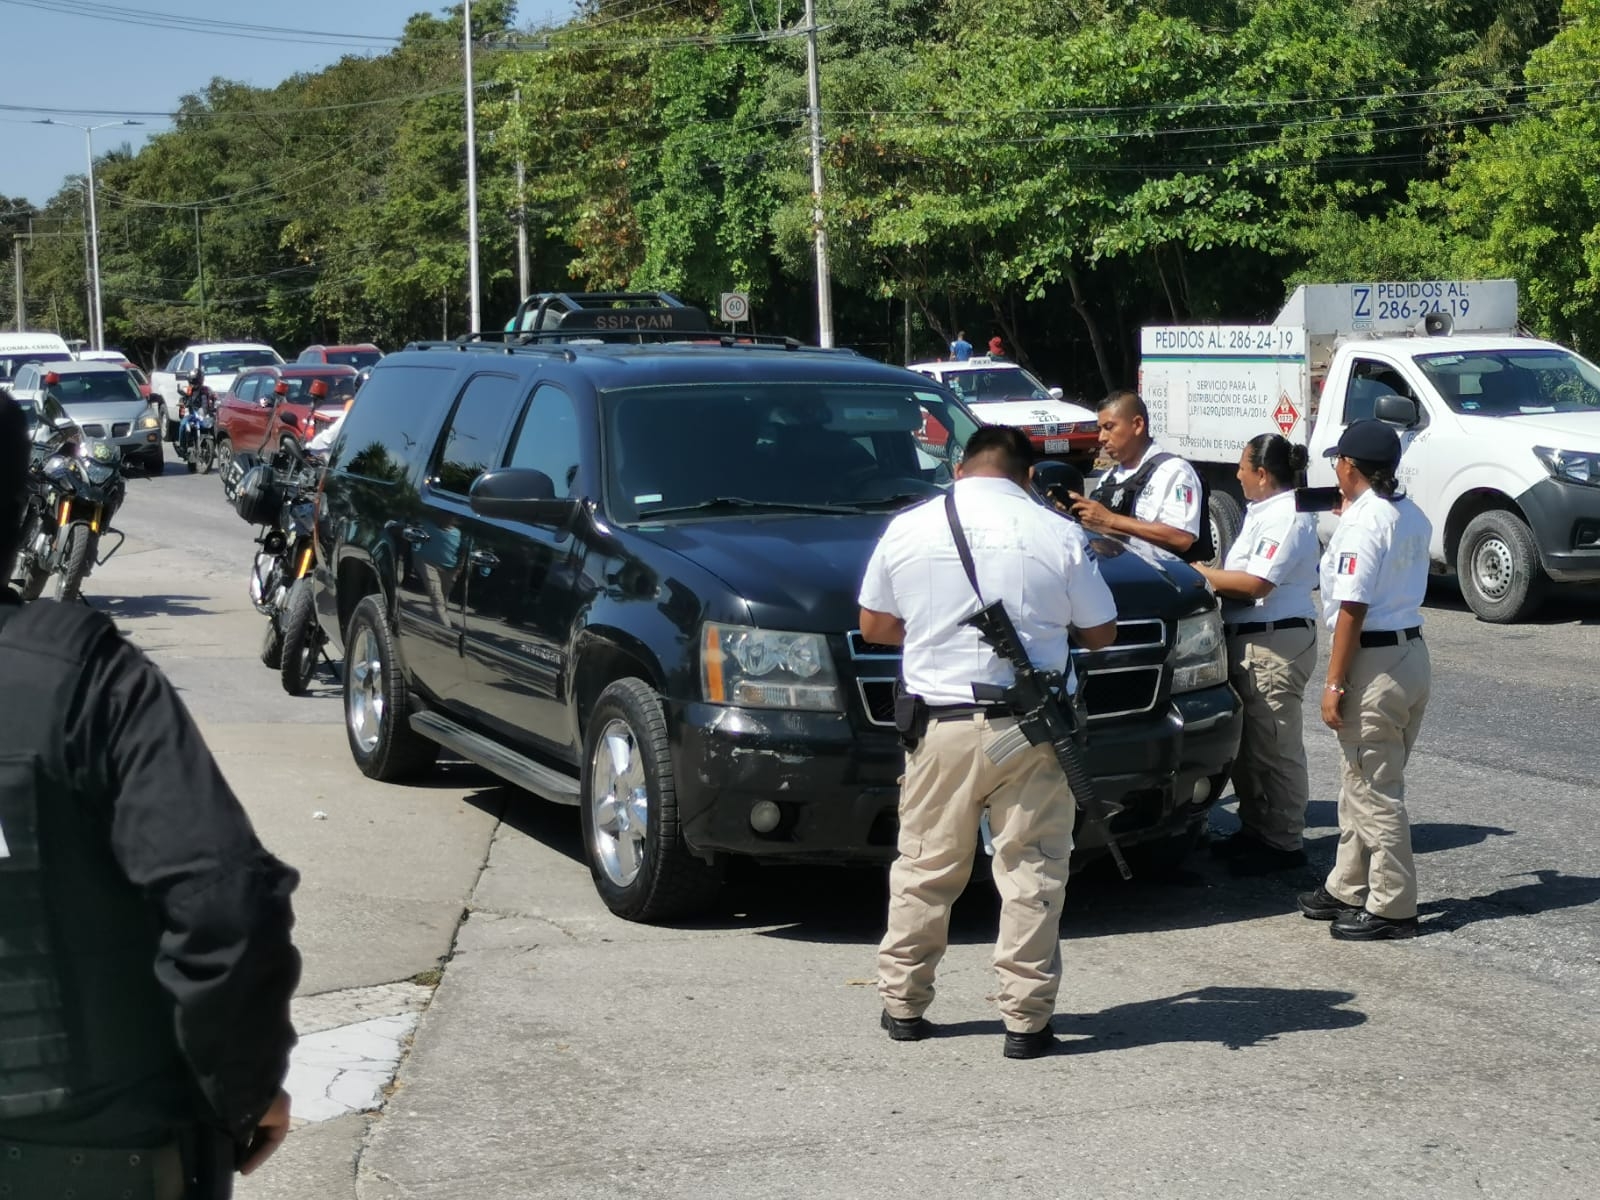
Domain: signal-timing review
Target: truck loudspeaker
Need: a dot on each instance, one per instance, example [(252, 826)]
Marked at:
[(1435, 324)]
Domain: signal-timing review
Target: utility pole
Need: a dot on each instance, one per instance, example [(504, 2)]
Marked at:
[(814, 98), (522, 219), (16, 258), (200, 272), (472, 178)]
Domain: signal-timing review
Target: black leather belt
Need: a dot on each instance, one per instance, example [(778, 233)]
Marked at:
[(1389, 637), (948, 712), (1269, 626)]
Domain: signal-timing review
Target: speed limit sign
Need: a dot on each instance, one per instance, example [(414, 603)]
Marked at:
[(735, 306)]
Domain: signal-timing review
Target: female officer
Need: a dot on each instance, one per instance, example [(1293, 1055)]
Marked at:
[(1265, 584), (1374, 575)]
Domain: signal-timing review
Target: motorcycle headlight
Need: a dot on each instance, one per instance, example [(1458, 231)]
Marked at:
[(767, 668), (55, 464), (1200, 658), (1571, 466), (101, 472)]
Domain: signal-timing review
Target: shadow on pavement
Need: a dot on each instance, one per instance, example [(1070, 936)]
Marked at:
[(1551, 890), (553, 825), (1568, 604), (1427, 837), (1234, 1017), (155, 604)]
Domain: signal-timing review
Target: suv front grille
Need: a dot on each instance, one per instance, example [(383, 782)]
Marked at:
[(1111, 688)]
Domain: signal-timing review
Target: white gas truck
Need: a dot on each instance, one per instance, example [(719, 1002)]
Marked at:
[(1500, 432)]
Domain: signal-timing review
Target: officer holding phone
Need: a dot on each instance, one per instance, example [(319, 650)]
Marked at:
[(1265, 585), (1374, 576)]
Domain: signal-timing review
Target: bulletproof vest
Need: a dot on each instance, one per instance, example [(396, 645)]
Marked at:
[(1121, 497), (79, 1005)]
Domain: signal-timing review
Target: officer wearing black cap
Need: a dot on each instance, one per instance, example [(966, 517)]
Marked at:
[(145, 960), (1374, 575)]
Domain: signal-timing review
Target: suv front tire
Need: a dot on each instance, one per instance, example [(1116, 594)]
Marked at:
[(642, 868)]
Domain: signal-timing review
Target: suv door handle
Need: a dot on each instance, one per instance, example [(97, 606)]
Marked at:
[(485, 559), (415, 534)]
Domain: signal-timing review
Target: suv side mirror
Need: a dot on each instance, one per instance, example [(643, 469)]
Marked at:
[(1057, 393), (1397, 410), (520, 494)]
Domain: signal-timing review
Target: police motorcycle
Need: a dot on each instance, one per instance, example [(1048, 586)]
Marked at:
[(196, 439), (281, 497), (75, 487)]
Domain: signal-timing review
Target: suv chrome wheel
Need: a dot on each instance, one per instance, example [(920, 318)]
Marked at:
[(620, 798), (364, 701)]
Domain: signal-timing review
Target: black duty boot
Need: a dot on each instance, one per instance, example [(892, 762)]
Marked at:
[(1362, 926), (1030, 1045), (1321, 905), (904, 1029)]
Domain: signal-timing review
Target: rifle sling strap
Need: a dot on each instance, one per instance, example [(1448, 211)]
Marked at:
[(963, 550)]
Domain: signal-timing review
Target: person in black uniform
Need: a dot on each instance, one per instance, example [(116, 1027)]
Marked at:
[(146, 965)]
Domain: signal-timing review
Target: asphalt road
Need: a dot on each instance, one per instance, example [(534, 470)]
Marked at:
[(1220, 1045)]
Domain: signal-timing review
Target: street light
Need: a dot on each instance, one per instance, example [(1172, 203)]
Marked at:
[(97, 318), (475, 315)]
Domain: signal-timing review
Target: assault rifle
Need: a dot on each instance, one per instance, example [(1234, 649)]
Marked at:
[(1041, 708)]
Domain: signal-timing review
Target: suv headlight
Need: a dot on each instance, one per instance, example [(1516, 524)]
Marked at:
[(149, 421), (1572, 466), (767, 668), (1201, 655)]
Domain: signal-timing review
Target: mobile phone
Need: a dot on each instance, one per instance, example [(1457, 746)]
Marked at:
[(1317, 499), (1057, 481)]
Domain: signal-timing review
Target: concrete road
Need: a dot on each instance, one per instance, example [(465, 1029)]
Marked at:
[(1217, 1044)]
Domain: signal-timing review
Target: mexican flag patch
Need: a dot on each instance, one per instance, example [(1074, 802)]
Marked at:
[(1347, 564), (1184, 493), (1266, 548)]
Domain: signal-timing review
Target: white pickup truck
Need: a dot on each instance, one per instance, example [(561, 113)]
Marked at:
[(221, 361), (1500, 433)]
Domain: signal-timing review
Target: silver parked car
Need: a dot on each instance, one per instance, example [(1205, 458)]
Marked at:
[(105, 402)]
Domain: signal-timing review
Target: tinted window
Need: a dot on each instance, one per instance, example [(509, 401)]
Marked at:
[(1370, 379), (548, 440), (227, 362), (476, 434), (354, 358), (383, 435), (854, 447), (10, 364)]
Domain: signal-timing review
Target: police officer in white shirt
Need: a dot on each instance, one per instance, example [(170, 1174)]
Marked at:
[(1374, 575), (1265, 585), (916, 594), (1150, 493)]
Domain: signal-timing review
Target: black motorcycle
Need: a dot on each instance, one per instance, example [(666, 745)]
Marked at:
[(74, 492), (281, 496), (195, 439)]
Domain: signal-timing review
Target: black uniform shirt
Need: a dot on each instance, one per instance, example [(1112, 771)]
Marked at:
[(218, 899)]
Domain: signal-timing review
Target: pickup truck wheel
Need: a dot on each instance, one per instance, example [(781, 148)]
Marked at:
[(377, 702), (1498, 567), (1227, 518), (642, 868)]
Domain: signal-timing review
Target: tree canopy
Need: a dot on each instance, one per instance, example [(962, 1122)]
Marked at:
[(1055, 171)]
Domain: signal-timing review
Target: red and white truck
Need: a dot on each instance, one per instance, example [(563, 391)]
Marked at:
[(1500, 432)]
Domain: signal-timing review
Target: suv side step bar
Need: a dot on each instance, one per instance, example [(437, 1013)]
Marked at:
[(508, 764)]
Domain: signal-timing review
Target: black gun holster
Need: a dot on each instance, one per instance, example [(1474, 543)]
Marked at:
[(910, 717)]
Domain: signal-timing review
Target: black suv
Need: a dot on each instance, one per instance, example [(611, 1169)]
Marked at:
[(615, 560)]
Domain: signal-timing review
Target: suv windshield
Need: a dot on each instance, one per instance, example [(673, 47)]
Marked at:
[(1511, 383), (96, 387), (702, 450), (994, 385), (354, 358), (231, 362)]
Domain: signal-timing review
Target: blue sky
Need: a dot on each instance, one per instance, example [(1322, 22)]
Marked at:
[(55, 58)]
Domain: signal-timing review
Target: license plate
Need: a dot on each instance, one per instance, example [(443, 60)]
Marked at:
[(1056, 445)]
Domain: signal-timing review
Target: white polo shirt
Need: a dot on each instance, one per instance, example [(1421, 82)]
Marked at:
[(1171, 495), (1026, 555), (1277, 544), (1378, 556)]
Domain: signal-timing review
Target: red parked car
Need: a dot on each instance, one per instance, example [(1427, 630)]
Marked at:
[(358, 355), (250, 415)]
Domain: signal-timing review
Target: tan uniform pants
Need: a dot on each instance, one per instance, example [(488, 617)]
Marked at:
[(948, 782), (1269, 671), (1385, 696)]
